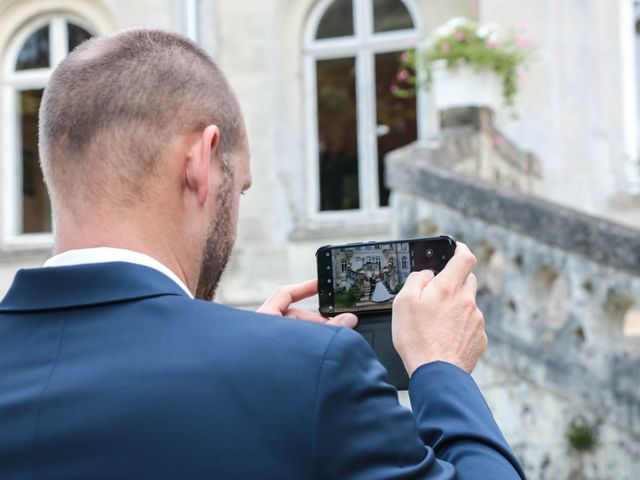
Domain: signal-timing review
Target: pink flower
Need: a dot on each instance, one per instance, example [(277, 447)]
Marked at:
[(445, 47), (404, 57), (497, 140), (459, 35), (393, 89), (402, 75), (522, 42), (492, 43), (523, 26), (521, 75)]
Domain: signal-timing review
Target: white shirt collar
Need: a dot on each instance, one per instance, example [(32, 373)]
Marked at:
[(108, 254)]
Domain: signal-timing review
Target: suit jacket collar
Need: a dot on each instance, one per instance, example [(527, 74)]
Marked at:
[(83, 285)]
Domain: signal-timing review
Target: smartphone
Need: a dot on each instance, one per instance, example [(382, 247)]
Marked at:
[(365, 277)]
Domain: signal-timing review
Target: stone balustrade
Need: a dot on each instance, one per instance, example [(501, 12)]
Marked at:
[(561, 295)]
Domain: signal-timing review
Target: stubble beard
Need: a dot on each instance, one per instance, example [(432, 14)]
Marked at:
[(219, 245)]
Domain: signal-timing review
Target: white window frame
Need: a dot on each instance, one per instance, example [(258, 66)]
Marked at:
[(630, 85), (363, 46), (11, 158), (190, 18)]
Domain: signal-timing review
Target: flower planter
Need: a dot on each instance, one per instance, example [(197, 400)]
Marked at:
[(465, 86)]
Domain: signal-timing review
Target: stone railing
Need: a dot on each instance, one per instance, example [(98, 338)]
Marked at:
[(561, 295), (470, 143)]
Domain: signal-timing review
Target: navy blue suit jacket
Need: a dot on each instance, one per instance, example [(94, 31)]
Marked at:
[(111, 371)]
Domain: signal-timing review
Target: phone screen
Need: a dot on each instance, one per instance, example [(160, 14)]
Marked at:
[(363, 277)]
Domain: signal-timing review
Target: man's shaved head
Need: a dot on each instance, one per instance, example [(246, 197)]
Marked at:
[(113, 107)]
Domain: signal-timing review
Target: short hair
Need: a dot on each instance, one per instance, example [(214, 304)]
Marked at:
[(112, 107)]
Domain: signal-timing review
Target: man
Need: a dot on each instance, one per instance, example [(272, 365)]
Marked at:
[(110, 369), (372, 286)]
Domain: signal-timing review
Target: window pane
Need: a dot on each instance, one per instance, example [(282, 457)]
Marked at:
[(76, 35), (396, 117), (390, 15), (35, 51), (36, 212), (337, 20), (337, 134)]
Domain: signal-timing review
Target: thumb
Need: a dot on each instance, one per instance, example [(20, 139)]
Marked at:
[(348, 320)]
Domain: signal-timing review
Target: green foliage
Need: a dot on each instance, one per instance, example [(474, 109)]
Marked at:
[(466, 44), (582, 436), (341, 300), (348, 298), (354, 295)]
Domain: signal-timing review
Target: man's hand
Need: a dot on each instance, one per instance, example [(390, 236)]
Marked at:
[(436, 318), (280, 304)]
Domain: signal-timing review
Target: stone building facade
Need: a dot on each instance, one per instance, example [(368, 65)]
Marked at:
[(575, 112), (389, 263)]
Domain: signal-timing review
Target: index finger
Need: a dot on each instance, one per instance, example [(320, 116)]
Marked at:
[(459, 267), (416, 281), (284, 296)]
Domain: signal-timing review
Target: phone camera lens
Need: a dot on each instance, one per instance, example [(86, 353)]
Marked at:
[(429, 252)]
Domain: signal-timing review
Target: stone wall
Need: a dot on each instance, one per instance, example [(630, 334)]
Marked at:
[(560, 292)]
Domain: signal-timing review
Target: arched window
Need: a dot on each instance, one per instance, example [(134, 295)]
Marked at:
[(404, 263), (34, 53), (343, 265), (353, 51)]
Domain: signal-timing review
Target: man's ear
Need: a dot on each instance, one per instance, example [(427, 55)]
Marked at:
[(199, 164)]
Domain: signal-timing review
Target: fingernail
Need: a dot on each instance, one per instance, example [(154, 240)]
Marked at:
[(348, 320)]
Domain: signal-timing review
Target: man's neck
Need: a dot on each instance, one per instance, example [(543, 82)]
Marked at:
[(115, 235)]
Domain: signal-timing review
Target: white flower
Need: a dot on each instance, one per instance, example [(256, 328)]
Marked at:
[(450, 27), (490, 32)]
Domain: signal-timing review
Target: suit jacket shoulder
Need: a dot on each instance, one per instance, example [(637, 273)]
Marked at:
[(111, 371)]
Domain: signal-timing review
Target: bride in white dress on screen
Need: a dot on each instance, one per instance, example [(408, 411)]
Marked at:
[(380, 293)]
